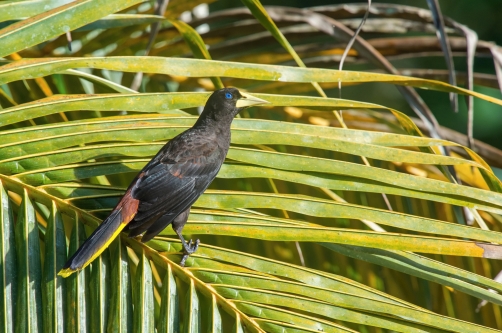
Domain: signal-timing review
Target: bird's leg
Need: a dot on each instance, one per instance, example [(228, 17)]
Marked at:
[(188, 248)]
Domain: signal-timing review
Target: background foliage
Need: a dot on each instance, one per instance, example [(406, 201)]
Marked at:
[(316, 219)]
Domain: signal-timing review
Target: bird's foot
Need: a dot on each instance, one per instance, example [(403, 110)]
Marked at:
[(191, 247), (188, 249)]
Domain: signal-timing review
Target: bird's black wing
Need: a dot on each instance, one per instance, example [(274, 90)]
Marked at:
[(174, 180)]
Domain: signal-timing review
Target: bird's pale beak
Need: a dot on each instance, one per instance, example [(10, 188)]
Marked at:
[(248, 100)]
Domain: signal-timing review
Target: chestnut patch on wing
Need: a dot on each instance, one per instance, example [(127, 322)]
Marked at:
[(177, 173)]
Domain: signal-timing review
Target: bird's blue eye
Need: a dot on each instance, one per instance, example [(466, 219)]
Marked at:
[(228, 95)]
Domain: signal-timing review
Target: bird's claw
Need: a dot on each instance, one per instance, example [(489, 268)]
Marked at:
[(188, 249), (191, 247)]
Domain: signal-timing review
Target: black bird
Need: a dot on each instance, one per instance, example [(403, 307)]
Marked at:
[(165, 189)]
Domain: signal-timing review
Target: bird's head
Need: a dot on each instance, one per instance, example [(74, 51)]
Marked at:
[(227, 102)]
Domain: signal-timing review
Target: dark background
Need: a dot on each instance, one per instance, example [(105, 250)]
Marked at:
[(484, 17)]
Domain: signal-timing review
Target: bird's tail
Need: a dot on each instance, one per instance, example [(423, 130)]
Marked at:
[(104, 234)]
